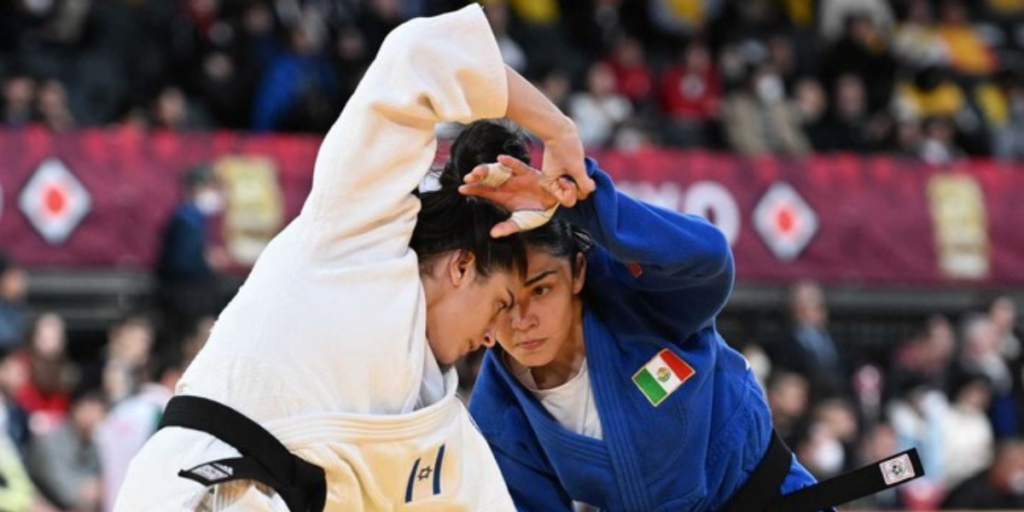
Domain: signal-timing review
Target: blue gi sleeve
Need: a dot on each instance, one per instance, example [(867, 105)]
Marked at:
[(675, 270), (532, 490)]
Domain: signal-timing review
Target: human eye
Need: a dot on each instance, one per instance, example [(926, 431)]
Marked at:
[(541, 291)]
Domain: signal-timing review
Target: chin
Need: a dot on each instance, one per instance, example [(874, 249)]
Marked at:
[(533, 360)]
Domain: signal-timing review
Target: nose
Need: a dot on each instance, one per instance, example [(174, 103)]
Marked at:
[(522, 320)]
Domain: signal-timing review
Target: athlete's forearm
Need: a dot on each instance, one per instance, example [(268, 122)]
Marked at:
[(528, 107)]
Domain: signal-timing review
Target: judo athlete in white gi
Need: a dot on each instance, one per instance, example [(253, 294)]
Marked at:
[(337, 350)]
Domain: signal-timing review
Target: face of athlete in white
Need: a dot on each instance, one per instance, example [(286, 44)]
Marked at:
[(462, 306)]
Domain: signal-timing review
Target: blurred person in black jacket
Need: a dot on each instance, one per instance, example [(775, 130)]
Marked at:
[(188, 261)]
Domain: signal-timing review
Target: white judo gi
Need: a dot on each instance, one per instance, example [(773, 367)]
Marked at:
[(325, 344)]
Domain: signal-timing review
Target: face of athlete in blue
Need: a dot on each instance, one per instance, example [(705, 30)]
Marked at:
[(546, 319)]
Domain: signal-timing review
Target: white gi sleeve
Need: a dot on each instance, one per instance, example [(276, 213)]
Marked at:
[(332, 317), (428, 71)]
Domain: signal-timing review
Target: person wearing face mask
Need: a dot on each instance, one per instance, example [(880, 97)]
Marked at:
[(188, 261), (610, 388)]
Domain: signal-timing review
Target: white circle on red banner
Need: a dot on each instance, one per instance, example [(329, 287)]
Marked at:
[(711, 200)]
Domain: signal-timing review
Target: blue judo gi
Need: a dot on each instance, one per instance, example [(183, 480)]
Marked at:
[(655, 282)]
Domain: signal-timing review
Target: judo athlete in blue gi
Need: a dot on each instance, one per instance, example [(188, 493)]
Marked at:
[(610, 388)]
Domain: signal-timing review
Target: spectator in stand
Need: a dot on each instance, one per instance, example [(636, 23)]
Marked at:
[(849, 126), (64, 463), (938, 145), (691, 96), (511, 51), (121, 434), (188, 259), (969, 54), (599, 110), (925, 357), (931, 93), (1003, 314), (555, 84), (917, 42), (53, 108), (809, 350), (906, 138), (1000, 487), (19, 93), (834, 14), (172, 110), (839, 416), (13, 418), (878, 443), (632, 72), (221, 86), (351, 59), (916, 414), (821, 451), (783, 56), (980, 354), (758, 120), (968, 442), (1001, 103), (13, 311), (863, 52), (299, 90), (122, 367), (45, 394), (378, 18), (788, 395), (810, 103)]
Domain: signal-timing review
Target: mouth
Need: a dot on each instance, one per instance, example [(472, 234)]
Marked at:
[(531, 344)]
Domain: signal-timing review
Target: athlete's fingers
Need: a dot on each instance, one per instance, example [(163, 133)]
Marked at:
[(515, 165)]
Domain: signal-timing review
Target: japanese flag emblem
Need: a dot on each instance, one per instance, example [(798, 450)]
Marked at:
[(54, 201), (785, 222)]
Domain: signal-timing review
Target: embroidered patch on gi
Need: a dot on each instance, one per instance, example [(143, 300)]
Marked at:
[(662, 375), (897, 470), (425, 478), (635, 269), (209, 473)]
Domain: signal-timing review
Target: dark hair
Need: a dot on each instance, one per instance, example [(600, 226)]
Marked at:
[(561, 240), (449, 221)]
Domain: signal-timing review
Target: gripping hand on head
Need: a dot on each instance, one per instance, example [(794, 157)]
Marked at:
[(526, 192)]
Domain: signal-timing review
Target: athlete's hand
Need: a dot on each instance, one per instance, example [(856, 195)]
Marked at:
[(529, 194), (563, 156)]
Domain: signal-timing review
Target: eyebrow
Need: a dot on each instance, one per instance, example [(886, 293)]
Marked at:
[(538, 277)]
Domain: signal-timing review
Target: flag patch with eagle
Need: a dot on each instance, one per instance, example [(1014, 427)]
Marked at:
[(662, 375)]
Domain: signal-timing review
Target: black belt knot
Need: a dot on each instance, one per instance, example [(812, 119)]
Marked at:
[(301, 484)]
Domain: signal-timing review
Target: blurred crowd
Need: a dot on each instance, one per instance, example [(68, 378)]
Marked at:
[(954, 391), (929, 79), (69, 427), (934, 80)]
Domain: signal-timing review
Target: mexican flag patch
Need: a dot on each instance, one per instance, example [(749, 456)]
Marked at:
[(662, 375)]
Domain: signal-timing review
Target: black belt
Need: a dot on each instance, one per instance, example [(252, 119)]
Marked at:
[(760, 493), (301, 485)]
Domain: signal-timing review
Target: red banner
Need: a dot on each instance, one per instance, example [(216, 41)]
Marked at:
[(99, 198)]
